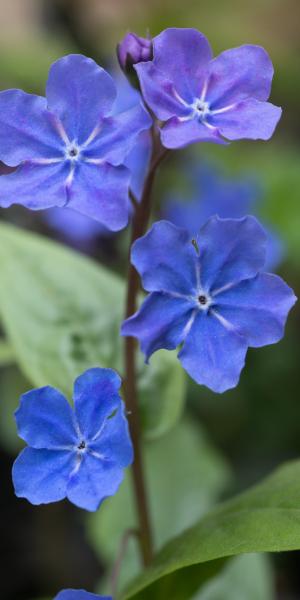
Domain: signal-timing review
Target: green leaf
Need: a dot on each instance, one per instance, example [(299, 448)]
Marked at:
[(265, 518), (185, 476), (7, 355), (12, 385), (62, 315), (244, 577)]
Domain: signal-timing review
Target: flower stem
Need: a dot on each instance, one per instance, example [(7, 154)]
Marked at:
[(139, 226)]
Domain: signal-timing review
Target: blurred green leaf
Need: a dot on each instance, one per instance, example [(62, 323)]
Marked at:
[(265, 518), (185, 476), (62, 315), (7, 355), (12, 385), (245, 577)]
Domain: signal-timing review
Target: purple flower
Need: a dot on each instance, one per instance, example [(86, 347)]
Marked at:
[(79, 595), (77, 454), (69, 149), (209, 296), (201, 99), (133, 49), (212, 195)]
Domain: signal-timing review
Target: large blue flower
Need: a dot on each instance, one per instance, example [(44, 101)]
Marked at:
[(69, 148), (209, 296), (77, 454), (201, 99), (212, 194), (79, 595)]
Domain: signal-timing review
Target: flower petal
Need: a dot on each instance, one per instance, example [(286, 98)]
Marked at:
[(177, 134), (79, 595), (230, 250), (159, 323), (257, 308), (101, 192), (27, 128), (96, 396), (137, 162), (45, 419), (166, 259), (35, 186), (248, 119), (41, 476), (159, 93), (118, 135), (94, 481), (180, 60), (80, 93), (114, 440), (213, 355), (239, 73)]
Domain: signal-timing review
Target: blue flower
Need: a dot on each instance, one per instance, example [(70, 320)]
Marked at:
[(212, 195), (209, 296), (77, 454), (79, 230), (69, 148), (79, 595), (201, 99), (133, 49)]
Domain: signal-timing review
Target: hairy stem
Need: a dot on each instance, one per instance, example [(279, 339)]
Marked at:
[(139, 226)]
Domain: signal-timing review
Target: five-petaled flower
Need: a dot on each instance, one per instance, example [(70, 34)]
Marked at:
[(209, 295), (201, 99), (77, 454), (79, 595), (69, 148)]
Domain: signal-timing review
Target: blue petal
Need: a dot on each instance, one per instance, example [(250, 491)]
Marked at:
[(114, 440), (101, 192), (230, 250), (137, 162), (96, 396), (177, 133), (45, 419), (41, 476), (94, 481), (79, 595), (118, 135), (80, 93), (248, 119), (180, 60), (212, 354), (160, 322), (166, 259), (35, 186), (257, 308), (239, 73), (27, 129), (159, 93)]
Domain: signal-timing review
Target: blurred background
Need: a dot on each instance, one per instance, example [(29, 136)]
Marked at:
[(251, 429)]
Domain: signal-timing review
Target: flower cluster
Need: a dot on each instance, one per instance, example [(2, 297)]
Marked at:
[(80, 454), (86, 148), (210, 295)]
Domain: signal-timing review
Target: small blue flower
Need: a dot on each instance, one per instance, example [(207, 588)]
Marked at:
[(77, 454), (133, 49), (201, 99), (79, 595), (69, 148), (212, 195), (209, 296)]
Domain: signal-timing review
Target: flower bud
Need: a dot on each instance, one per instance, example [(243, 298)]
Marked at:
[(132, 50)]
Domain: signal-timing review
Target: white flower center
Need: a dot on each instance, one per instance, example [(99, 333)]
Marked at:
[(72, 151), (201, 109)]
